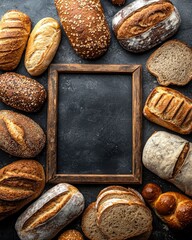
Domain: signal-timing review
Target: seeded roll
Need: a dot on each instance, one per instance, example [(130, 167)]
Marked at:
[(85, 25), (21, 92)]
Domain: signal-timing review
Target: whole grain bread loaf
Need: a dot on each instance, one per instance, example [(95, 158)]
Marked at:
[(20, 135), (21, 92), (85, 25), (15, 27), (20, 182)]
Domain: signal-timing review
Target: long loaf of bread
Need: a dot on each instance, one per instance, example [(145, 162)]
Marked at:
[(15, 28), (85, 25), (50, 213), (20, 182), (174, 208)]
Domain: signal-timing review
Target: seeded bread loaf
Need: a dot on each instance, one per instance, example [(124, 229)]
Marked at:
[(170, 157), (173, 208), (171, 63), (20, 136), (71, 235), (15, 28), (144, 24), (169, 108), (42, 45), (85, 25), (21, 92), (20, 182), (56, 208)]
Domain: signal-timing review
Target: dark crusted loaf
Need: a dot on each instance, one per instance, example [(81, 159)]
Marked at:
[(21, 92), (85, 25)]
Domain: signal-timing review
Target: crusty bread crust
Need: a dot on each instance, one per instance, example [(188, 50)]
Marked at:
[(169, 108), (156, 54)]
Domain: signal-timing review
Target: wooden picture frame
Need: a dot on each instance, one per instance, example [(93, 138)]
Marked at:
[(51, 159)]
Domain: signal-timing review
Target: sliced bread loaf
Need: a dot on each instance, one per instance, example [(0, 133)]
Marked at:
[(113, 187), (171, 63), (89, 224), (121, 219)]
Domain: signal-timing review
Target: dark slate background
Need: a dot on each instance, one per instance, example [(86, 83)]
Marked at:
[(85, 109)]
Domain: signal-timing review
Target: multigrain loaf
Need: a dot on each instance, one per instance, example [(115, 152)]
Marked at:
[(71, 234), (171, 63), (169, 108), (21, 92), (89, 223), (45, 218), (20, 135), (20, 182), (170, 157), (42, 45), (121, 219), (173, 208), (144, 24), (85, 25), (15, 27)]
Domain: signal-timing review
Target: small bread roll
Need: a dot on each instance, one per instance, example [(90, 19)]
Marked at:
[(42, 46), (71, 235)]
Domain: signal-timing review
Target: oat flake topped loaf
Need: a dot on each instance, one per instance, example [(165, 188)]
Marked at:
[(85, 25)]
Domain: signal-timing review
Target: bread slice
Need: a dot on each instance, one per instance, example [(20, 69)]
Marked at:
[(89, 224), (171, 63), (121, 219)]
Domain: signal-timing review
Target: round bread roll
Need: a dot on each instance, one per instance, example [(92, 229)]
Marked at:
[(71, 235)]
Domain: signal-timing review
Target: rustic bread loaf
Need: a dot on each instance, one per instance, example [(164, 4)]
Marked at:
[(144, 24), (121, 219), (50, 213), (21, 92), (89, 223), (42, 45), (71, 235), (113, 187), (20, 136), (174, 208), (85, 25), (20, 182), (15, 28), (169, 108), (170, 157), (171, 63)]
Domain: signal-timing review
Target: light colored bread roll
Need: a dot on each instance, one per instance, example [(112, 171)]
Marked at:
[(15, 27), (42, 45), (71, 234), (170, 157)]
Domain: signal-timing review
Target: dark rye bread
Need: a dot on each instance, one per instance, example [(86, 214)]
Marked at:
[(121, 219), (118, 2), (171, 63), (21, 92), (85, 25)]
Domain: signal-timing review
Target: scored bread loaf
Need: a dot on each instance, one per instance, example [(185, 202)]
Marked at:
[(20, 182), (15, 27), (144, 24), (20, 135), (170, 157), (174, 208), (169, 108), (42, 45), (21, 92), (50, 213), (171, 63), (71, 234), (85, 25)]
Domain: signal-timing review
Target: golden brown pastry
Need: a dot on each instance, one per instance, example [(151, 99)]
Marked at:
[(71, 235)]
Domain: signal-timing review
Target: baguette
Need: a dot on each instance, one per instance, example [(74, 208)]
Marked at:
[(173, 208), (21, 92), (15, 28), (144, 24), (85, 25), (42, 45), (20, 136), (20, 182), (169, 108), (50, 213)]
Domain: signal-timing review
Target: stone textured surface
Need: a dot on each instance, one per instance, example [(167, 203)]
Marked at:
[(37, 10)]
